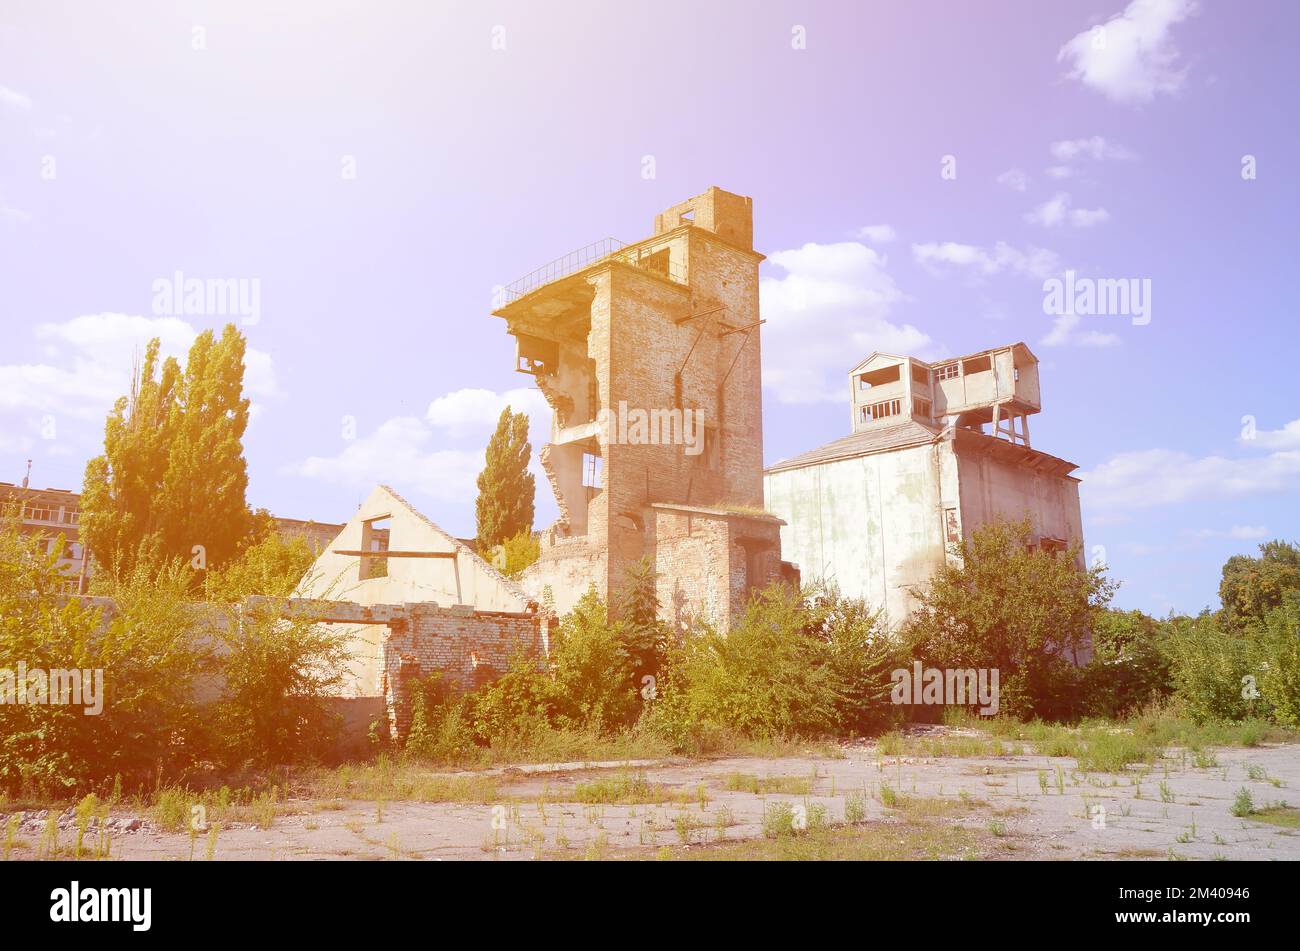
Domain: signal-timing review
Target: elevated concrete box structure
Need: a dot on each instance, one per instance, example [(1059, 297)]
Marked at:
[(937, 449)]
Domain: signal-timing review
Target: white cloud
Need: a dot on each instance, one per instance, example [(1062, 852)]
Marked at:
[(1051, 212), (398, 452), (980, 261), (88, 360), (1096, 148), (1087, 217), (830, 308), (1130, 58), (14, 99), (877, 234), (1242, 532), (1015, 179), (1060, 171), (1288, 437), (439, 456), (476, 411), (1065, 332), (1140, 479), (1057, 210)]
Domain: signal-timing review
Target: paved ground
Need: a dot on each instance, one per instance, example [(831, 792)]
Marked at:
[(1171, 810)]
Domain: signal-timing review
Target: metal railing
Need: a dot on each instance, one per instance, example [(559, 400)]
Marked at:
[(585, 257)]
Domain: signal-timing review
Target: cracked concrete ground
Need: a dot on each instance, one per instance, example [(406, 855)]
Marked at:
[(1015, 807)]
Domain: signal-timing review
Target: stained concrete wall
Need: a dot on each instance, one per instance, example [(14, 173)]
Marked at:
[(992, 489), (879, 525), (873, 525)]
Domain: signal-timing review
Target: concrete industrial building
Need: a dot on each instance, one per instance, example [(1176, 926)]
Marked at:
[(649, 355), (57, 512), (53, 515), (936, 450)]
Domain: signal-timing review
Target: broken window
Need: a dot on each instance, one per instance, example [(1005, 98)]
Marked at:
[(592, 465), (536, 356), (881, 410), (949, 371), (1053, 546), (656, 262), (880, 377), (375, 537)]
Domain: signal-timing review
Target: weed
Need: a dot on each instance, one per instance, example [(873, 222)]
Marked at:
[(855, 808)]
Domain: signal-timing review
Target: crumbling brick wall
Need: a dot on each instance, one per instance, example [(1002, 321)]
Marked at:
[(709, 561), (470, 647)]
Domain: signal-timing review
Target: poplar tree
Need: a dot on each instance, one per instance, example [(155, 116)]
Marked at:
[(171, 482), (505, 486)]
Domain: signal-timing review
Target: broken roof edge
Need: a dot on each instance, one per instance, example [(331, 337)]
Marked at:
[(720, 512), (693, 231), (1061, 467), (577, 278), (510, 585), (1018, 345)]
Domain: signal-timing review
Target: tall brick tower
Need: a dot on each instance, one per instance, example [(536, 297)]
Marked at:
[(649, 355)]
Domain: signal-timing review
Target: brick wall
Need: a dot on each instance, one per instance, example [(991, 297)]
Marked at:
[(470, 647)]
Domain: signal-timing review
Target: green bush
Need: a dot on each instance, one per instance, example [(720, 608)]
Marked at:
[(184, 682), (1004, 604), (1273, 656), (1130, 666), (798, 664), (516, 706), (441, 722), (151, 655), (277, 674), (1208, 666), (592, 683)]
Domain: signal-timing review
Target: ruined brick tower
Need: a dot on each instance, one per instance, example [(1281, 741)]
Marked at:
[(649, 356)]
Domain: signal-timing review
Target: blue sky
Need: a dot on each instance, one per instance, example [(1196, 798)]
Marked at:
[(378, 169)]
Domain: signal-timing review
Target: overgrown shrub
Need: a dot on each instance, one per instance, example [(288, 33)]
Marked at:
[(592, 684), (1273, 655), (516, 553), (798, 664), (150, 655), (1004, 604), (1208, 666), (277, 673), (184, 682), (1130, 664)]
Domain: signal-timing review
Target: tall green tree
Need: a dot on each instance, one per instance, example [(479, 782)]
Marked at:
[(1251, 587), (171, 482), (505, 486)]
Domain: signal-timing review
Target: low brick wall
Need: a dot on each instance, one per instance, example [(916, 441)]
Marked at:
[(471, 647)]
